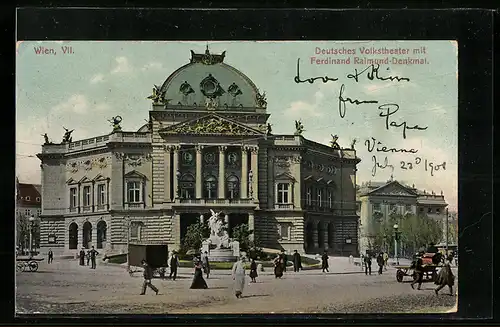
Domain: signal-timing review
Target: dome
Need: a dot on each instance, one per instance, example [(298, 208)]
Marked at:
[(208, 82)]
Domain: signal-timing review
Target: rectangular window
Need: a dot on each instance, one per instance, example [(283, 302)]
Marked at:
[(285, 231), (330, 199), (134, 192), (376, 207), (73, 199), (86, 196), (408, 208), (27, 212), (135, 230), (101, 194), (38, 212), (309, 196), (283, 190), (320, 194)]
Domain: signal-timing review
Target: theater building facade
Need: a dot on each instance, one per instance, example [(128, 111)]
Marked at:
[(207, 146)]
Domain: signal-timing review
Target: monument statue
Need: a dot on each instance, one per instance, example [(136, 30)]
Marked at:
[(115, 122), (334, 144), (46, 138), (218, 233), (299, 127), (67, 135)]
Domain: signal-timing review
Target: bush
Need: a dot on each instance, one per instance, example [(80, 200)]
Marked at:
[(195, 235)]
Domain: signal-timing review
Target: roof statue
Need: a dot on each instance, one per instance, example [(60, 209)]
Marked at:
[(269, 129), (46, 138), (299, 127), (353, 143), (158, 96), (261, 100), (115, 122), (67, 135), (207, 58), (333, 142)]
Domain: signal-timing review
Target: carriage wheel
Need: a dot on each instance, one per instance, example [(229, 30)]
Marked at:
[(33, 265), (20, 266), (399, 276)]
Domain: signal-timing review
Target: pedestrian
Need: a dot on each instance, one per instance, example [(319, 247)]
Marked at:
[(88, 257), (386, 260), (174, 263), (445, 278), (351, 259), (206, 264), (198, 281), (297, 261), (93, 253), (324, 262), (419, 274), (82, 257), (51, 256), (368, 264), (253, 271), (239, 276), (285, 260), (278, 267), (148, 275), (380, 262)]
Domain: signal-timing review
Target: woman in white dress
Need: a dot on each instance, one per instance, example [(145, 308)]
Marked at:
[(239, 276)]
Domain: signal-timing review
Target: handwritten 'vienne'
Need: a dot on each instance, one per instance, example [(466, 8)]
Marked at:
[(372, 73), (370, 146), (312, 79), (387, 108)]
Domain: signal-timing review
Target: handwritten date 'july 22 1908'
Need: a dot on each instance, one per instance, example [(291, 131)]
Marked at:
[(428, 165)]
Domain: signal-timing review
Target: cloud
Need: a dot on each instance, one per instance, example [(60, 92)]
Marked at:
[(122, 66), (98, 78), (298, 109), (152, 66), (77, 104)]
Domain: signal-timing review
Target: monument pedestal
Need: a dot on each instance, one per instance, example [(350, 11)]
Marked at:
[(222, 255)]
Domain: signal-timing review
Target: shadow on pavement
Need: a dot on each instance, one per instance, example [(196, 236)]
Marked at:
[(254, 295)]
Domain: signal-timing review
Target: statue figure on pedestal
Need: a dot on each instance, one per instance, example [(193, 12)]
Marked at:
[(299, 127), (67, 135), (115, 122), (218, 232)]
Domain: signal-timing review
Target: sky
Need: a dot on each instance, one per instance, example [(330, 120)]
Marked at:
[(81, 89)]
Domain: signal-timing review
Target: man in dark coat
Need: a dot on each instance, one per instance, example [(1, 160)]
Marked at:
[(324, 262), (285, 260), (51, 256), (297, 262), (93, 253), (82, 257), (380, 262), (174, 263), (419, 274), (445, 278), (368, 264), (148, 275)]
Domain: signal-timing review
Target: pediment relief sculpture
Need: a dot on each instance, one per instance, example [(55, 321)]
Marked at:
[(211, 125)]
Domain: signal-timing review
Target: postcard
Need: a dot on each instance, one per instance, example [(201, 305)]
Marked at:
[(236, 177)]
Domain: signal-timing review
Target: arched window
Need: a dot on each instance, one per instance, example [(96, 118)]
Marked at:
[(210, 187), (136, 230), (187, 186), (232, 187), (73, 236)]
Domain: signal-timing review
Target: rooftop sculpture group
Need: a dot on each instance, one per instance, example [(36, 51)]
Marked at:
[(115, 122), (67, 135), (299, 127)]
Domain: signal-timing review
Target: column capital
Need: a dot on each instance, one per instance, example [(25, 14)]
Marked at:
[(222, 148), (175, 148), (254, 149), (199, 148)]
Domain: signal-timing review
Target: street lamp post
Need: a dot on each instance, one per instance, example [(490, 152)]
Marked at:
[(396, 238), (178, 176), (127, 221), (31, 225)]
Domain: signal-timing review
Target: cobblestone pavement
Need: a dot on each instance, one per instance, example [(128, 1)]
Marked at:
[(64, 287)]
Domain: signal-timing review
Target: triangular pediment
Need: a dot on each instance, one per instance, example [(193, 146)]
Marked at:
[(394, 189), (135, 174), (284, 177), (99, 177), (84, 180), (211, 125), (71, 181)]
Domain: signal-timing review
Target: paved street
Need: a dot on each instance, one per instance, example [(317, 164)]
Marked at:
[(65, 287)]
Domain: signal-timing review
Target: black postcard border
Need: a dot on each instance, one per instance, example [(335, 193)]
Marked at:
[(471, 27)]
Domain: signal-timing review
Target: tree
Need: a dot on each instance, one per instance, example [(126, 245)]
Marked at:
[(23, 230), (195, 235), (242, 233)]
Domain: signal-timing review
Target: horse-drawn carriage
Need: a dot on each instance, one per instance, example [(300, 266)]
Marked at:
[(27, 264), (430, 264), (155, 255)]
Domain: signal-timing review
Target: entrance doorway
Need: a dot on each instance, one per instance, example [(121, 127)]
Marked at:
[(73, 236), (87, 234), (101, 234)]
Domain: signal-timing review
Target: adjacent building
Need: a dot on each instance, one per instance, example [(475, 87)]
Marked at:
[(384, 198), (208, 145), (28, 200)]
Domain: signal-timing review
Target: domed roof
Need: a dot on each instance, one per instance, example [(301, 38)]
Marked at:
[(208, 82)]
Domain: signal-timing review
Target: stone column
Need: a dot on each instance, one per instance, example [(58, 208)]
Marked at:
[(199, 194), (222, 172), (93, 196), (177, 229), (93, 235), (244, 173), (325, 236), (254, 162), (176, 149), (226, 221), (251, 225), (79, 237), (166, 174), (315, 234)]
